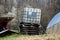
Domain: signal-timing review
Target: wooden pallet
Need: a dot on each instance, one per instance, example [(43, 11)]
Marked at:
[(29, 29)]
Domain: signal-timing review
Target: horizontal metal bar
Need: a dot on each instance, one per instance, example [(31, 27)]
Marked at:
[(3, 31)]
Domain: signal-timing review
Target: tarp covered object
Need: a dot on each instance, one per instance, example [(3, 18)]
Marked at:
[(54, 25), (55, 20)]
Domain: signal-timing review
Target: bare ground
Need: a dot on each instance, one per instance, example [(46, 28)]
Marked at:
[(14, 36), (38, 37)]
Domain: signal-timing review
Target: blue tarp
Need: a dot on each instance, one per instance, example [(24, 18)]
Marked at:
[(55, 20)]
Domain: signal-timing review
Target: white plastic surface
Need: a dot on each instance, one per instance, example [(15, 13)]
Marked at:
[(32, 15), (3, 31)]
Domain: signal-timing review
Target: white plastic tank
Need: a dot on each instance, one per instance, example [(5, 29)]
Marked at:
[(31, 15)]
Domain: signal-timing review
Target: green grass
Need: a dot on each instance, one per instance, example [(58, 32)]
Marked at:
[(14, 36), (9, 37)]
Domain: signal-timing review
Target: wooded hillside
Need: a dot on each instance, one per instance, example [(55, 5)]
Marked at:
[(48, 7)]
